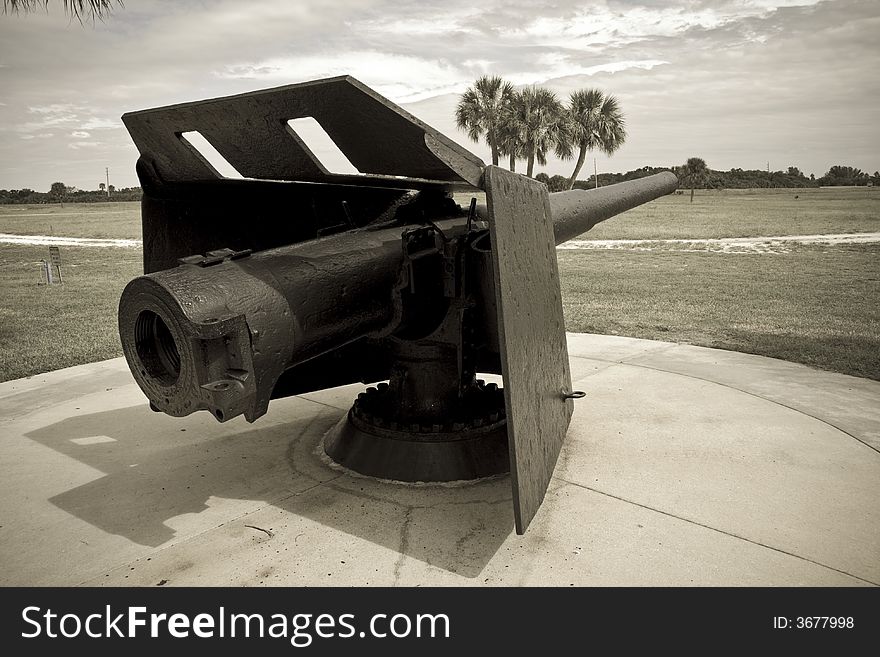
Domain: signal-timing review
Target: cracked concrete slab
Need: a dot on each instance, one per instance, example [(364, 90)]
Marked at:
[(683, 466)]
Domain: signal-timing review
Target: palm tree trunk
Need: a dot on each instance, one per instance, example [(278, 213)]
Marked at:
[(531, 165), (582, 155), (513, 162), (692, 194), (493, 143)]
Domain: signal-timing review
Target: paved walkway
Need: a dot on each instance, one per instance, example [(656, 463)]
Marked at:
[(683, 466)]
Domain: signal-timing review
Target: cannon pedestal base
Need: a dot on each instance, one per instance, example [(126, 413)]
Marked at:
[(428, 457), (471, 444)]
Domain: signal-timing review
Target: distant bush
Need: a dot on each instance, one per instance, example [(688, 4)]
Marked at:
[(29, 196), (744, 178)]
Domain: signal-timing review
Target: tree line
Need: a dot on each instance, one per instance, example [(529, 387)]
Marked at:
[(61, 193), (733, 179), (694, 174), (736, 178)]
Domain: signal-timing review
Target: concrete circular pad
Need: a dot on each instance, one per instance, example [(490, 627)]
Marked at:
[(683, 466)]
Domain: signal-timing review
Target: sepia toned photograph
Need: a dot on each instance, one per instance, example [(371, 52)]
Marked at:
[(417, 294)]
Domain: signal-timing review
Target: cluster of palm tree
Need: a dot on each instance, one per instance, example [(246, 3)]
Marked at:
[(528, 124)]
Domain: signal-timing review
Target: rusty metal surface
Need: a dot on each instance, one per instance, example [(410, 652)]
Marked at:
[(250, 130), (238, 323), (534, 355)]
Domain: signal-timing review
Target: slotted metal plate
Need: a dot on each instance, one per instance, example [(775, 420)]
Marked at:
[(383, 141), (534, 354)]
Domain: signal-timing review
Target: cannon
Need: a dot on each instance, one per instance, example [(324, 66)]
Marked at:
[(293, 278)]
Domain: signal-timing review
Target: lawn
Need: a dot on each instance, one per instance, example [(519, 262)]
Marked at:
[(749, 213), (814, 305), (44, 327), (817, 305), (107, 220)]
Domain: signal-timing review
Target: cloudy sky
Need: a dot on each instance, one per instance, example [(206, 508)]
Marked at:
[(738, 82)]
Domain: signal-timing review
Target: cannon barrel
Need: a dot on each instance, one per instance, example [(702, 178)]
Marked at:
[(219, 336), (575, 212), (218, 332)]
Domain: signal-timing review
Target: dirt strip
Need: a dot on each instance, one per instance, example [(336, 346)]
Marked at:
[(774, 244), (51, 240)]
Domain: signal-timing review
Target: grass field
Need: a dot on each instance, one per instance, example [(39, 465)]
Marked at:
[(43, 327), (749, 213), (816, 306), (811, 304), (107, 220)]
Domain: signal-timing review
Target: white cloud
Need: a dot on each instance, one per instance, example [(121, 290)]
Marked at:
[(77, 145), (56, 109), (463, 22), (80, 134), (560, 67), (403, 78), (96, 123)]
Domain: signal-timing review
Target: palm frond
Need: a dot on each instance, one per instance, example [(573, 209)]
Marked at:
[(481, 108), (79, 9)]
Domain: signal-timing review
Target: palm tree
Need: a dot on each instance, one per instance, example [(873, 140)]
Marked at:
[(480, 110), (90, 9), (510, 145), (537, 118), (693, 173), (595, 122), (510, 134)]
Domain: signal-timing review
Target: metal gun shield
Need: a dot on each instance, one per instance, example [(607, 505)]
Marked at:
[(534, 353)]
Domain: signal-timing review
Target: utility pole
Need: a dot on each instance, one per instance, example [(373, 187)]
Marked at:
[(595, 173), (107, 173)]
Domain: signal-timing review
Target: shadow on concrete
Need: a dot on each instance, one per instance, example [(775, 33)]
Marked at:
[(157, 469)]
